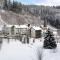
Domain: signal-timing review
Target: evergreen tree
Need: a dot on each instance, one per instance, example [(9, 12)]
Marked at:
[(15, 3), (10, 5), (5, 5), (49, 42)]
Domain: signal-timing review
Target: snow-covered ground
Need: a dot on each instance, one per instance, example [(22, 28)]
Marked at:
[(15, 50), (53, 54)]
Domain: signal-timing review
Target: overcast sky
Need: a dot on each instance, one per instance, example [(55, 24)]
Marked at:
[(40, 2)]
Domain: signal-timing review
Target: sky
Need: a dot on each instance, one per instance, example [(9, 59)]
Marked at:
[(41, 2)]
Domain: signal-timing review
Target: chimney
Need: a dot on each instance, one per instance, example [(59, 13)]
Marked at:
[(45, 23)]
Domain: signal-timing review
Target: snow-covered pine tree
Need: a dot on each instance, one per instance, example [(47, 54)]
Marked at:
[(49, 42)]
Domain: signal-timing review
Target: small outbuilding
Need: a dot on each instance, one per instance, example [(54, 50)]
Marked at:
[(36, 32), (10, 29)]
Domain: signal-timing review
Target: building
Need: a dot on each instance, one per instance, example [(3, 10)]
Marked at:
[(8, 29), (27, 30), (36, 32), (15, 29), (21, 29)]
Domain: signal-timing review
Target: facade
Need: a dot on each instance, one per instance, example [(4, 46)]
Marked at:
[(15, 29), (22, 29), (8, 30), (36, 32)]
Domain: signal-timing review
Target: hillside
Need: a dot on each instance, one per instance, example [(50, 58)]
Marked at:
[(32, 14), (12, 18)]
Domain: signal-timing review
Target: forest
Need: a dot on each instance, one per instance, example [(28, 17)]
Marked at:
[(49, 13)]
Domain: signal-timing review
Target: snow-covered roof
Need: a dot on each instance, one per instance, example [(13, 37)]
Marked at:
[(9, 25), (21, 26), (17, 26), (36, 28)]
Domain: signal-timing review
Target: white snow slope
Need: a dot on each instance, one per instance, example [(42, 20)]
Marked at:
[(15, 50), (53, 54)]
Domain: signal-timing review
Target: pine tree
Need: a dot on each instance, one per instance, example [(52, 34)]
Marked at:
[(49, 42), (10, 5), (5, 4)]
